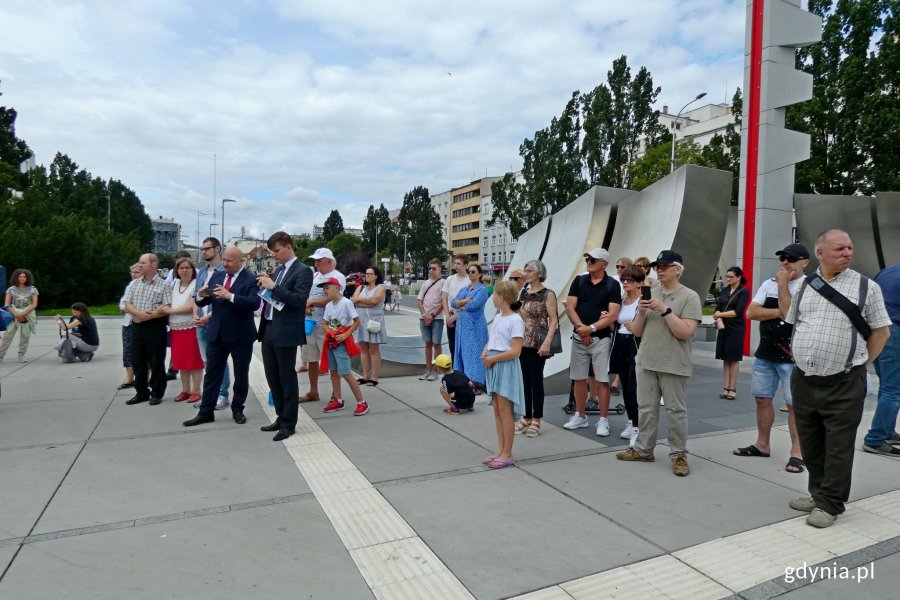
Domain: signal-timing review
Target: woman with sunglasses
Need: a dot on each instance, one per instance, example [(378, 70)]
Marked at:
[(625, 346), (644, 263), (729, 315), (369, 299), (540, 307), (471, 328)]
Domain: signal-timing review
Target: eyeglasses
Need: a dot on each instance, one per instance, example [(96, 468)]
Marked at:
[(620, 266), (663, 266), (208, 248), (628, 280), (513, 278), (372, 274), (790, 259)]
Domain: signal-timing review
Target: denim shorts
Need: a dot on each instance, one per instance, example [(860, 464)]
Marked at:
[(432, 333), (339, 360), (766, 375)]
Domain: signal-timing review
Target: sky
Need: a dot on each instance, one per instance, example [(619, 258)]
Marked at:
[(294, 108)]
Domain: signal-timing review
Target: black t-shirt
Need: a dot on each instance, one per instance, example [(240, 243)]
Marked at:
[(774, 338), (87, 330), (458, 384), (594, 299)]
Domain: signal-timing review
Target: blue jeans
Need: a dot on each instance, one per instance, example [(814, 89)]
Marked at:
[(887, 366), (226, 380)]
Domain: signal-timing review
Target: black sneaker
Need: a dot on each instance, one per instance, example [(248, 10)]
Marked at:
[(154, 400), (884, 449)]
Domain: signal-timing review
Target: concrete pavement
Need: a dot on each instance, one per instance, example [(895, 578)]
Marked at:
[(103, 500)]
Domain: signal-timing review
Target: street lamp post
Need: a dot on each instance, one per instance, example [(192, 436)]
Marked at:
[(405, 236), (212, 229), (198, 225), (224, 200), (675, 124)]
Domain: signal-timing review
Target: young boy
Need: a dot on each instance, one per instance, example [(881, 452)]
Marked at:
[(340, 321), (455, 388)]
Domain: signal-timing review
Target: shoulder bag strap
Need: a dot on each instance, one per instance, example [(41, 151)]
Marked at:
[(853, 312)]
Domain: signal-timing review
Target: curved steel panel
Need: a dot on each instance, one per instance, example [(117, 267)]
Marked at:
[(816, 213)]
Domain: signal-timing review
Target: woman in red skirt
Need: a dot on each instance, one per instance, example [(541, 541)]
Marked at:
[(182, 332)]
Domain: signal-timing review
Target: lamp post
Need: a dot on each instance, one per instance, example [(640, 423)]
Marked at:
[(212, 230), (675, 124), (405, 236), (198, 225), (224, 200)]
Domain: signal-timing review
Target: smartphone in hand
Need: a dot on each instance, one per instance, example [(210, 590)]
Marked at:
[(645, 292)]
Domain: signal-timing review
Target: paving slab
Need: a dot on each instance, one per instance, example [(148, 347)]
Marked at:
[(711, 502), (379, 401), (288, 550), (160, 475), (504, 533), (403, 444), (29, 478), (122, 420), (6, 555), (49, 422)]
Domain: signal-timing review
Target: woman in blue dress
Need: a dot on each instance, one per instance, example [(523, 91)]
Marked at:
[(471, 328)]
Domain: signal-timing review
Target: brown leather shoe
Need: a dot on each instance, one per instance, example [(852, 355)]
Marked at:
[(308, 397)]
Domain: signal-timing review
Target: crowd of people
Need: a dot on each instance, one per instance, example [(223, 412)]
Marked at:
[(817, 333)]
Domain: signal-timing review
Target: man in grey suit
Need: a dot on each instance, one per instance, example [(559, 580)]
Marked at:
[(282, 329)]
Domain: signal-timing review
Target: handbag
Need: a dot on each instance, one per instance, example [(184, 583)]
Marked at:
[(556, 342), (720, 323), (372, 326), (66, 349)]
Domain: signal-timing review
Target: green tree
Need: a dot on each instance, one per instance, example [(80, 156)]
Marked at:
[(342, 244), (853, 117), (420, 226), (13, 152), (304, 246), (377, 219), (656, 163), (334, 225)]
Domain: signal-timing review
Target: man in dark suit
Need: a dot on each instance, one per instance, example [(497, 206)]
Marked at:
[(231, 331), (281, 330)]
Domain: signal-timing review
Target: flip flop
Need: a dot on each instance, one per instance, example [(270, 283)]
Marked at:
[(794, 465), (371, 382), (784, 408), (750, 450), (489, 459), (501, 463)]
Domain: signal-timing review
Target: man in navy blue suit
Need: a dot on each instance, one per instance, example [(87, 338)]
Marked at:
[(281, 330), (231, 331)]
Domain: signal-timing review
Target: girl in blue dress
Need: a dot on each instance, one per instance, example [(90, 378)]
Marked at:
[(471, 328)]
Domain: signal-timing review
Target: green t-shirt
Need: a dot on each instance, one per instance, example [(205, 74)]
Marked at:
[(660, 350)]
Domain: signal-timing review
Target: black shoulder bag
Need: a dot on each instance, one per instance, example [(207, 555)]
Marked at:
[(853, 312)]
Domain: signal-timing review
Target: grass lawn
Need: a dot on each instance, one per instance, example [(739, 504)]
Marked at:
[(96, 311)]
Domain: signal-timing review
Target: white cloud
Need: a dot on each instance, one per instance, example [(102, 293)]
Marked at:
[(311, 106)]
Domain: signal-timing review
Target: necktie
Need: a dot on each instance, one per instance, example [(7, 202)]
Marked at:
[(228, 282)]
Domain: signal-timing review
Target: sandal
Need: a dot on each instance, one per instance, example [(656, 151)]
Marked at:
[(522, 426), (452, 410), (732, 395), (372, 382), (534, 429), (751, 450), (794, 465), (362, 380), (724, 393), (125, 385), (501, 463), (489, 459)]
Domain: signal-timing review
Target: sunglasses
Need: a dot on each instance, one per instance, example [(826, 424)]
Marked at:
[(628, 280), (590, 260), (473, 272), (513, 278), (620, 266), (790, 259), (662, 266)]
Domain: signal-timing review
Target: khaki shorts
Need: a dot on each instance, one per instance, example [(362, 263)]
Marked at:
[(312, 350), (596, 353)]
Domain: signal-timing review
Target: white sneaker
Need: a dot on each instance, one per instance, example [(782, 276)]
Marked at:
[(602, 427), (424, 376), (634, 437), (222, 403), (576, 422), (626, 433), (432, 376)]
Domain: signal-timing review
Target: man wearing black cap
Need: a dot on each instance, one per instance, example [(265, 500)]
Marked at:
[(666, 324), (774, 362)]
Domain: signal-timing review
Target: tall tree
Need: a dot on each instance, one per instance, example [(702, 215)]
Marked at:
[(377, 228), (419, 226), (853, 117), (333, 226), (13, 152)]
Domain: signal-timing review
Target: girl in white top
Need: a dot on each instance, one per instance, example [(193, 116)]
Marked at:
[(503, 373)]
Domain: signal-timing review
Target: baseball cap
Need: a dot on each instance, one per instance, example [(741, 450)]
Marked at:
[(598, 254), (667, 257), (442, 361), (330, 281), (794, 251), (322, 253)]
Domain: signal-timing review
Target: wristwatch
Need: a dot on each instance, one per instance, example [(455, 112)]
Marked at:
[(593, 328), (666, 312)]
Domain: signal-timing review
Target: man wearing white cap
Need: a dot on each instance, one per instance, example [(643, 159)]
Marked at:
[(592, 306), (312, 351)]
